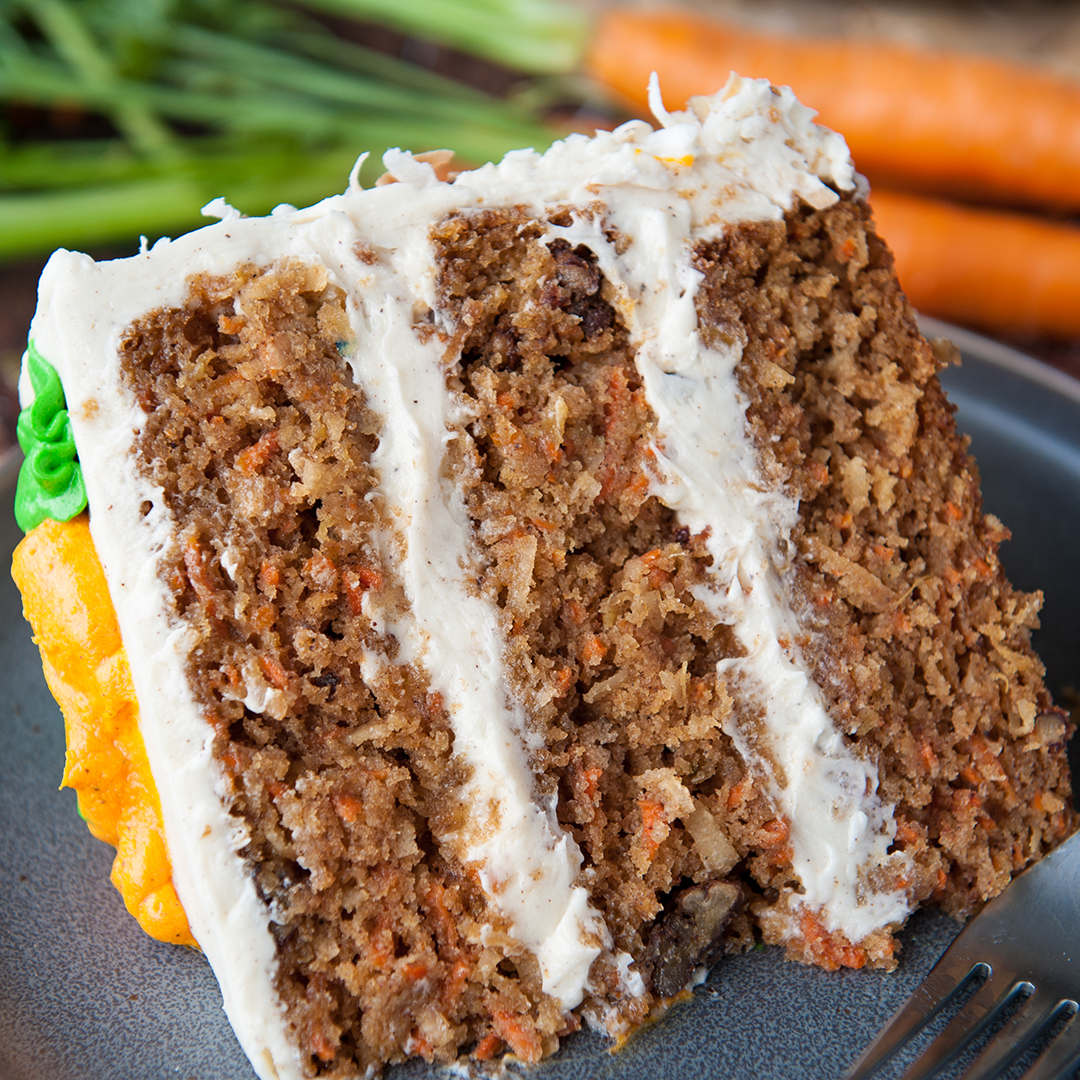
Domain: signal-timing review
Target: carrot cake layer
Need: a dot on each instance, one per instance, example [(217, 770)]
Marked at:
[(537, 582)]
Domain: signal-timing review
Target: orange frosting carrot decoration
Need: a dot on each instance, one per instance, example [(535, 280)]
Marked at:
[(997, 270), (67, 603), (946, 121)]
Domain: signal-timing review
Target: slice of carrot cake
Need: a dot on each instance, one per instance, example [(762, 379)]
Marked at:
[(500, 595)]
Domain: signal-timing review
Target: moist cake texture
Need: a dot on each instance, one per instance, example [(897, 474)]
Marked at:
[(537, 583)]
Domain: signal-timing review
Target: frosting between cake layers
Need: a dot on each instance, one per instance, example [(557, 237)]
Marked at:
[(706, 470), (83, 309), (747, 154), (527, 864)]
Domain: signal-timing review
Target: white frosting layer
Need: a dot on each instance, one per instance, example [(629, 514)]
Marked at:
[(82, 309), (527, 864), (746, 154), (706, 470)]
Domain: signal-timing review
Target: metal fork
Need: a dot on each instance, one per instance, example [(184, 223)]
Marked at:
[(1024, 948)]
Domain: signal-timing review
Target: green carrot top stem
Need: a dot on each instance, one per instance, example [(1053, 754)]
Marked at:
[(262, 103), (540, 37)]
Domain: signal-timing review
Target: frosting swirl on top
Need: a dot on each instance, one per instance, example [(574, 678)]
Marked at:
[(50, 480)]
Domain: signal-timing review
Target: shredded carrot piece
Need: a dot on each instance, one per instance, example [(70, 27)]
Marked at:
[(551, 449), (970, 776), (774, 832), (273, 671), (564, 679), (231, 760), (487, 1047), (444, 924), (737, 793), (255, 457), (381, 944), (420, 1045), (592, 652), (654, 824), (781, 856), (369, 577), (264, 617), (1018, 859), (321, 1046), (357, 580), (929, 758), (592, 780), (348, 807), (196, 563), (269, 575), (829, 951), (454, 984), (942, 878), (576, 612), (906, 833), (321, 571), (233, 675), (846, 250), (966, 799), (522, 1039)]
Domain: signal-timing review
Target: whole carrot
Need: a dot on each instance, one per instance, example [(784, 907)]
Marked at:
[(1001, 271), (944, 121)]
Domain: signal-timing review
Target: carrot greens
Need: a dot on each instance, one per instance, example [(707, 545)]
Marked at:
[(261, 102), (536, 36)]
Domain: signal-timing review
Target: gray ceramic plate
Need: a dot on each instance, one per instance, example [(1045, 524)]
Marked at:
[(85, 996)]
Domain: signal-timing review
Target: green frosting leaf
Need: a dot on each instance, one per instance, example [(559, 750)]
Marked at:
[(50, 480)]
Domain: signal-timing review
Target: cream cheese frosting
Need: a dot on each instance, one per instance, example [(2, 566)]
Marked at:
[(747, 153), (526, 862)]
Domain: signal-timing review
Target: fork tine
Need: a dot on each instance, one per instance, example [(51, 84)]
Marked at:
[(972, 1019), (931, 994), (1017, 1033), (1061, 1057)]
